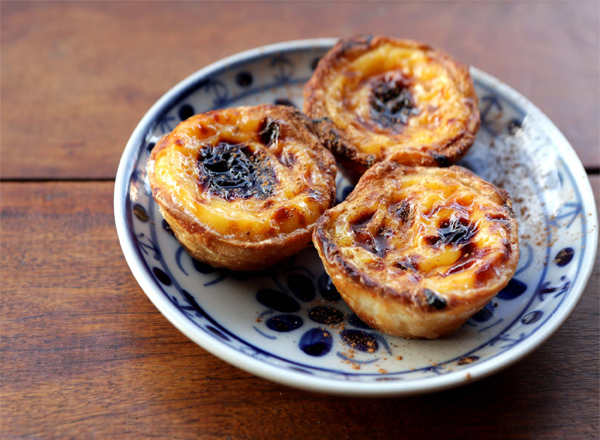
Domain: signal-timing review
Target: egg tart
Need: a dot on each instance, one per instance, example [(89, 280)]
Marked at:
[(416, 251), (377, 97), (242, 188)]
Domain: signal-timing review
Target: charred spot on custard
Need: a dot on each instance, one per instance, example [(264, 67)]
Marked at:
[(362, 219), (401, 210), (456, 231), (400, 265), (405, 264), (268, 204), (470, 254), (359, 228), (268, 132), (282, 214), (234, 171), (382, 242), (470, 249), (391, 101), (378, 243)]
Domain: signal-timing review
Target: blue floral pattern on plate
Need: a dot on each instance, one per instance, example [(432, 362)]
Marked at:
[(291, 315)]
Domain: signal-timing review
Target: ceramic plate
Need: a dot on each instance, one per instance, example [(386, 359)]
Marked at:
[(288, 324)]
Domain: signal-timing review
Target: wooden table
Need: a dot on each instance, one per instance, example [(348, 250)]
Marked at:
[(84, 352)]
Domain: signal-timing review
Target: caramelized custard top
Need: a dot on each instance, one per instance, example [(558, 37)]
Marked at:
[(386, 97), (249, 173), (441, 228)]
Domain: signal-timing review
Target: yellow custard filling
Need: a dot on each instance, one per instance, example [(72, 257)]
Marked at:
[(433, 227), (266, 184), (439, 110)]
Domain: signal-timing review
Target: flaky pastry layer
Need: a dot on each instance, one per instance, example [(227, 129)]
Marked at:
[(242, 188), (375, 98), (416, 251)]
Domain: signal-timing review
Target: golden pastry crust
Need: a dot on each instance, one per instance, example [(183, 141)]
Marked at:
[(374, 98), (242, 188), (417, 251)]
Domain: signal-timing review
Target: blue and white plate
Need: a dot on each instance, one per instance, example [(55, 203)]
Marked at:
[(287, 324)]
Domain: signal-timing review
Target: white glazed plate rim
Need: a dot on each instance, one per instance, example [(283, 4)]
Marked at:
[(300, 380)]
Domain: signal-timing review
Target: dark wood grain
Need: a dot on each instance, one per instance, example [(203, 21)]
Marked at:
[(86, 355), (78, 76)]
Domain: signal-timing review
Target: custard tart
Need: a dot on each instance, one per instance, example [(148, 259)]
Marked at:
[(242, 188), (416, 251), (374, 98)]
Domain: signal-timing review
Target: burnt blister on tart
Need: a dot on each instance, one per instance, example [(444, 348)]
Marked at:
[(374, 98), (416, 251), (242, 188)]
